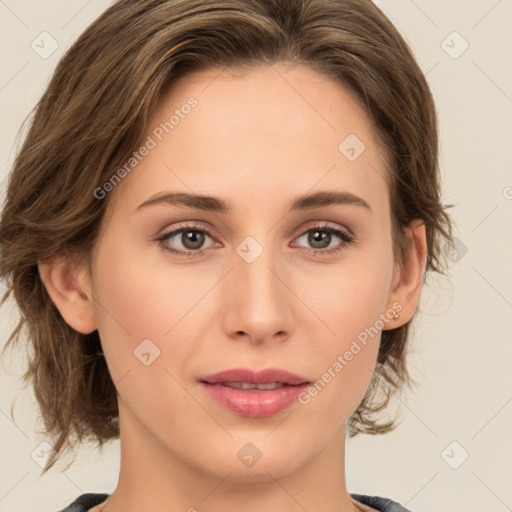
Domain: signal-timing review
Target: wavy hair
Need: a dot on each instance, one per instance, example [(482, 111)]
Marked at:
[(94, 113)]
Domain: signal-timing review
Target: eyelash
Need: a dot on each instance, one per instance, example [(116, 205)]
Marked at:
[(345, 237)]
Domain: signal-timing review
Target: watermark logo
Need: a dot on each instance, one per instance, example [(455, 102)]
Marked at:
[(454, 455), (249, 249), (44, 45), (351, 147), (454, 45), (146, 352), (456, 250), (42, 453), (249, 454)]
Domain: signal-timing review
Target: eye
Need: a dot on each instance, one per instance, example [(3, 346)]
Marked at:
[(189, 239), (320, 238)]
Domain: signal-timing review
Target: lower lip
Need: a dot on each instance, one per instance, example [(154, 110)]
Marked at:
[(255, 403)]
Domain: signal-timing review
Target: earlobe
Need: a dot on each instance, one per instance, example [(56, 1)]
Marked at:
[(68, 285), (408, 279)]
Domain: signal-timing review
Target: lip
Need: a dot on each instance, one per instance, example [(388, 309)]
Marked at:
[(252, 402)]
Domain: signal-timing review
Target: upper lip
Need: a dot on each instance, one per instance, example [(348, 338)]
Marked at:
[(265, 376)]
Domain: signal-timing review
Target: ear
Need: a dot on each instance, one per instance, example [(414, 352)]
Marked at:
[(68, 284), (408, 276)]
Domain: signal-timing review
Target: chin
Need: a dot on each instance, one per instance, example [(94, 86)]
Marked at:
[(253, 462)]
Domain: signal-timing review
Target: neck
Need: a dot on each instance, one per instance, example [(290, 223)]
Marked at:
[(154, 477)]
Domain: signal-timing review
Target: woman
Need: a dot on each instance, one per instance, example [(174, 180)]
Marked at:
[(217, 231)]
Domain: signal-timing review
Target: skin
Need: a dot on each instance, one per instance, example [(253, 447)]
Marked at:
[(257, 139)]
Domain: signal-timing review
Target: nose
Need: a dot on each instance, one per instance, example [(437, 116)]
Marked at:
[(258, 299)]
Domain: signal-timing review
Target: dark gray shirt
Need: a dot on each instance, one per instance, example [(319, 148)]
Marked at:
[(86, 501)]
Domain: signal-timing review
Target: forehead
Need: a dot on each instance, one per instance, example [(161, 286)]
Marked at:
[(290, 94), (259, 132)]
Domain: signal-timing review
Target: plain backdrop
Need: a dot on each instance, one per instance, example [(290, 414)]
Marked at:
[(453, 448)]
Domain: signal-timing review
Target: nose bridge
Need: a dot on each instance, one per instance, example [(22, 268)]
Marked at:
[(259, 300)]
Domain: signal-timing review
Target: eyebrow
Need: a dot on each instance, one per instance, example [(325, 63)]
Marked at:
[(214, 204)]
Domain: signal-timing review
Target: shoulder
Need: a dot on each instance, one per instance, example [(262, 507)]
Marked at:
[(85, 502), (379, 503)]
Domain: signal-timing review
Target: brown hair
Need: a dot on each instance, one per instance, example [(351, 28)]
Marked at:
[(94, 113)]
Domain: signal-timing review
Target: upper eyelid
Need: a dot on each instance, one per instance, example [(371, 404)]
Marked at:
[(167, 231), (323, 225)]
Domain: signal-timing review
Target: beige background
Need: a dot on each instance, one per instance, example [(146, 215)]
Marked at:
[(461, 346)]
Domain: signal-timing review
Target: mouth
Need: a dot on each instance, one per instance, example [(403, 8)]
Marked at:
[(256, 394), (251, 385), (240, 377)]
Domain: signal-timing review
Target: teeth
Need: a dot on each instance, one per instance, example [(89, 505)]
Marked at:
[(270, 385), (247, 385)]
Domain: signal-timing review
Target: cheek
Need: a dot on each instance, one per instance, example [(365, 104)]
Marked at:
[(136, 301), (144, 313), (351, 305), (349, 297)]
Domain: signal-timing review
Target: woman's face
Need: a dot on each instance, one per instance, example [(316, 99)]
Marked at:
[(259, 284)]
